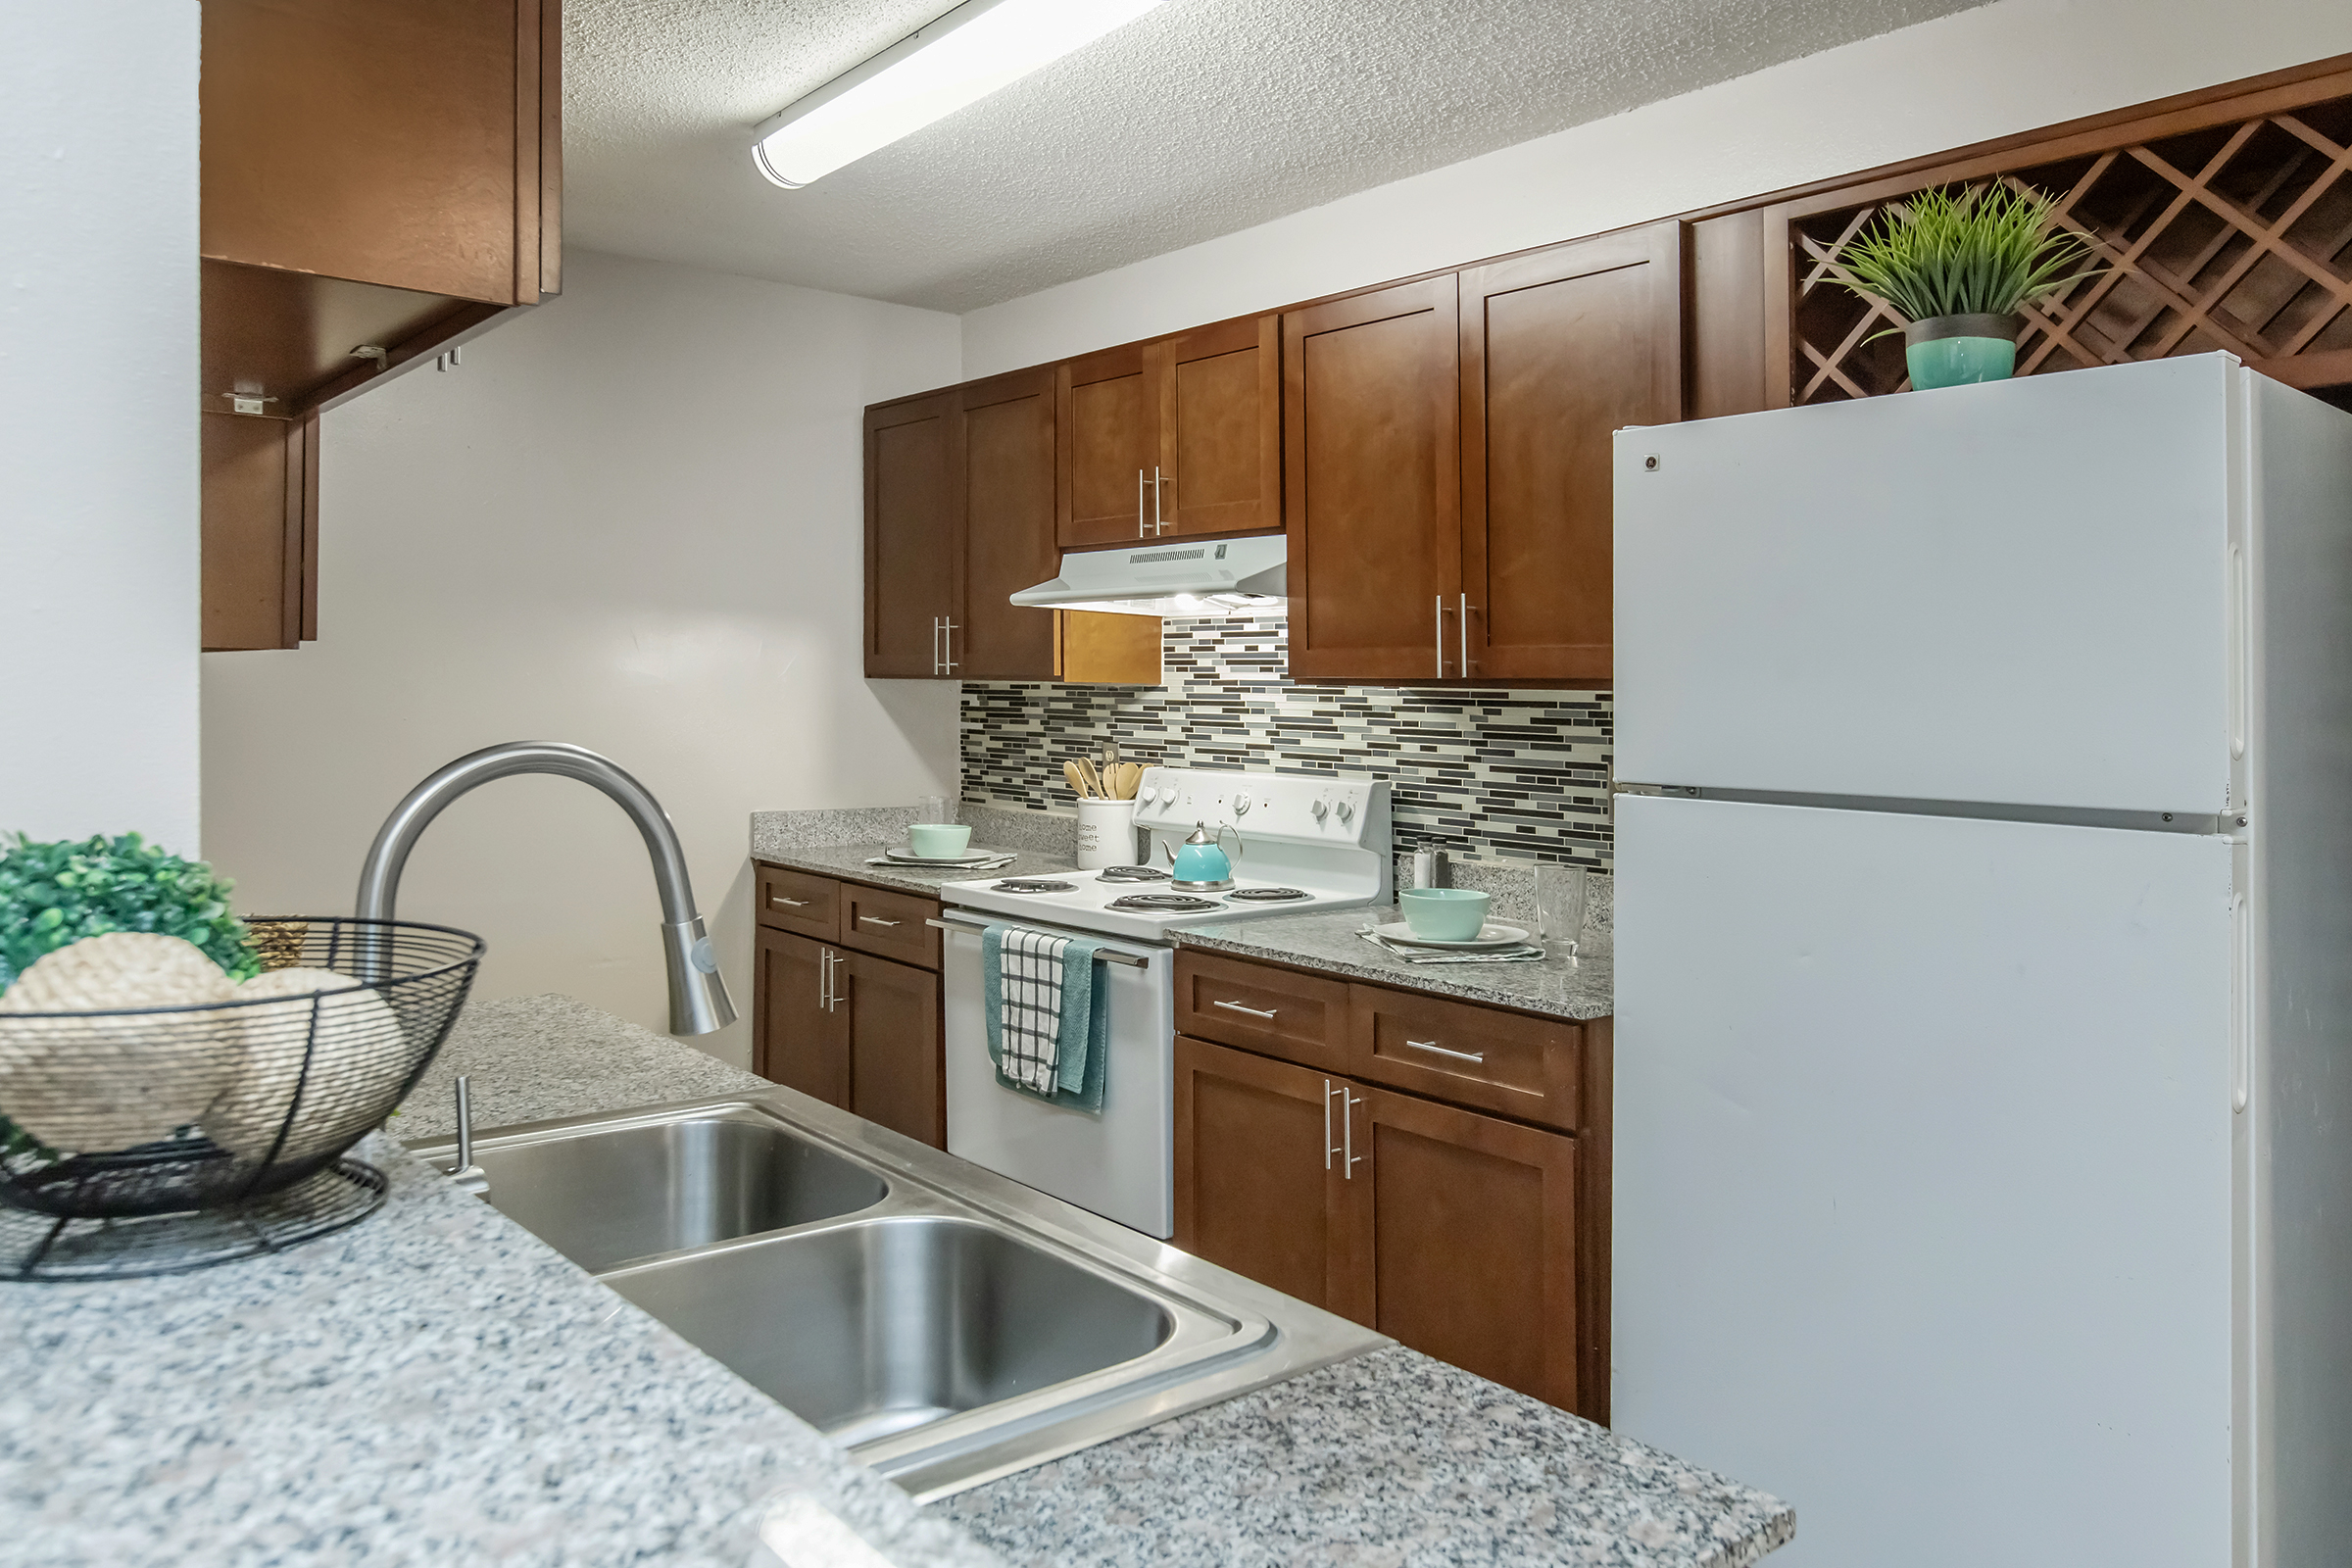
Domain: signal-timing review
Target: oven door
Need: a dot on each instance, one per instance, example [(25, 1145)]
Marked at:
[(1119, 1163)]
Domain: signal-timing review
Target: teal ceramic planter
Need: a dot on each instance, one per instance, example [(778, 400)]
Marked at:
[(1955, 350)]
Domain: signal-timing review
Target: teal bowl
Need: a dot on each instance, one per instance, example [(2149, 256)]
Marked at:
[(939, 841), (1443, 914)]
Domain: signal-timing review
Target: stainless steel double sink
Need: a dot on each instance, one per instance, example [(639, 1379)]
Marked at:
[(946, 1325)]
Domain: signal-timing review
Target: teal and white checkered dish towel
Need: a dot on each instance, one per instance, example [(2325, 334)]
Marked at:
[(1045, 1015)]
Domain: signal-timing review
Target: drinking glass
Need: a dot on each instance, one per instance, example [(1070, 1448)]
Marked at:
[(1559, 902), (932, 809)]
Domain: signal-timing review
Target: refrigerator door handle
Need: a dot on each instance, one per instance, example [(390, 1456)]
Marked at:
[(2241, 1003), (2241, 651)]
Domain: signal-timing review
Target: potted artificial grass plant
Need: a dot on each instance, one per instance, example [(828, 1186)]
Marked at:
[(1958, 265)]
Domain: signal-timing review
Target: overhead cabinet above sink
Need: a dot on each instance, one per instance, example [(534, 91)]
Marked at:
[(378, 181)]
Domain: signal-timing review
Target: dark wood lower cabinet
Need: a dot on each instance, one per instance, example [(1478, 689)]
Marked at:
[(1258, 1187), (852, 1030), (1474, 1240), (898, 1076), (803, 1041), (1459, 1233)]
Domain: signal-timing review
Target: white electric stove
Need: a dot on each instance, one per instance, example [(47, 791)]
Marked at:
[(1304, 844)]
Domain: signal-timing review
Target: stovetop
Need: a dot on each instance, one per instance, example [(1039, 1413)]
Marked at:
[(1307, 842)]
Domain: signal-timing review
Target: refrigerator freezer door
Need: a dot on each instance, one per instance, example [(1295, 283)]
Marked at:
[(1922, 1177), (2009, 593)]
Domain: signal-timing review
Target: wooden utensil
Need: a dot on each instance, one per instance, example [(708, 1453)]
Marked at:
[(1077, 777), (1126, 778), (1093, 780)]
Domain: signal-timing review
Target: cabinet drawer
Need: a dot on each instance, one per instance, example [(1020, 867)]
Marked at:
[(800, 902), (1506, 1062), (889, 924), (1281, 1012)]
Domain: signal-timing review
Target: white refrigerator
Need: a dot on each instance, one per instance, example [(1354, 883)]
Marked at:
[(1984, 957)]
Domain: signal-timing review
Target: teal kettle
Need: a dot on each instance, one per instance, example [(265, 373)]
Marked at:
[(1199, 860)]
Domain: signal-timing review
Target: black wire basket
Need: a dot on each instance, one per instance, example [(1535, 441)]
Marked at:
[(153, 1140)]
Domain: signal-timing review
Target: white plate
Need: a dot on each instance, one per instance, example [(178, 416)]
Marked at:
[(972, 857), (1490, 936)]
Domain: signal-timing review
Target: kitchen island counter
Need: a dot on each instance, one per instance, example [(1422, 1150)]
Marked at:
[(1389, 1459), (432, 1386), (1326, 941), (436, 1386)]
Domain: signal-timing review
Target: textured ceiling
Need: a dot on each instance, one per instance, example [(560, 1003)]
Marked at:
[(1201, 118)]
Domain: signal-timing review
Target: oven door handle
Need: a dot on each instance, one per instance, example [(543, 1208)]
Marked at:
[(1102, 956)]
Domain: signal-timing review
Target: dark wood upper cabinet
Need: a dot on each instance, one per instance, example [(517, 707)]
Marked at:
[(393, 144), (1108, 448), (261, 530), (1218, 392), (962, 494), (913, 533), (1371, 448), (377, 178), (1560, 349), (1008, 544)]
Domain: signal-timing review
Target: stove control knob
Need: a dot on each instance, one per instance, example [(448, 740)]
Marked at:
[(1240, 805), (1149, 796), (1347, 809), (1321, 808)]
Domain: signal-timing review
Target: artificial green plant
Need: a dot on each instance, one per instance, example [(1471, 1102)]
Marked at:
[(1987, 250)]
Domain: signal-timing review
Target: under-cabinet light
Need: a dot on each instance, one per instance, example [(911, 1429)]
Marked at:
[(967, 54)]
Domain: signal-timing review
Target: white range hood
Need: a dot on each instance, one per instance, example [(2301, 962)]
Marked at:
[(1210, 577)]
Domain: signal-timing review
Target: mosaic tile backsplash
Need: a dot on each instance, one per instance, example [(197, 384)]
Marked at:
[(1486, 773)]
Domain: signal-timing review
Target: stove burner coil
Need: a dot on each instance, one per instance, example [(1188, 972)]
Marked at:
[(1161, 903), (1132, 873), (1031, 884), (1265, 895)]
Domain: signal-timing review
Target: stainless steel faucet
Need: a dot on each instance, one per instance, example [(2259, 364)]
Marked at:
[(698, 996)]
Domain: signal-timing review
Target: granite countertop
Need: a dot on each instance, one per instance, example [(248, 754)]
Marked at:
[(436, 1386), (848, 860), (1392, 1459), (1564, 987), (432, 1386)]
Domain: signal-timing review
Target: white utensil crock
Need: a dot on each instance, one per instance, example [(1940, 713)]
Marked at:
[(1105, 834)]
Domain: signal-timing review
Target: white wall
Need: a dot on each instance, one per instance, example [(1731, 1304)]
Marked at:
[(98, 439), (627, 521), (2005, 67)]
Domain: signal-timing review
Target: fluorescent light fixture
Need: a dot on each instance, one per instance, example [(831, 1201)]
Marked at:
[(967, 54)]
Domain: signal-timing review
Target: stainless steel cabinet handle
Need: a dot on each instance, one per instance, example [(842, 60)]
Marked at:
[(1464, 617), (1160, 523), (1436, 1050), (875, 920), (1329, 1148), (935, 659), (778, 897), (948, 633), (1347, 1155), (1141, 527), (824, 979), (1441, 636), (1235, 1007)]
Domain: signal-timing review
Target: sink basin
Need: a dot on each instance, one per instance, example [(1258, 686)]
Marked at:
[(873, 1329), (603, 1195), (944, 1324)]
